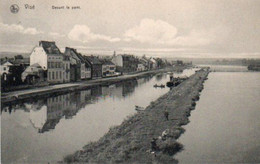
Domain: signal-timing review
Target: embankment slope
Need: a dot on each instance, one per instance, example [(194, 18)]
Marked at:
[(130, 142)]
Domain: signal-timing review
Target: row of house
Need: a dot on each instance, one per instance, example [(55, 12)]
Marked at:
[(129, 63), (48, 64)]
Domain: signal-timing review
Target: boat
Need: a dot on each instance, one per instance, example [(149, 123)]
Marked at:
[(139, 108), (174, 82), (161, 86)]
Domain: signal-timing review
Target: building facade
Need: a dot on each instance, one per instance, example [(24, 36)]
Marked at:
[(81, 68), (96, 66), (33, 74), (140, 67), (125, 63), (50, 58), (4, 67), (108, 68)]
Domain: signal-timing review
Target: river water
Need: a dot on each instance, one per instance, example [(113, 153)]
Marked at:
[(46, 130), (225, 126)]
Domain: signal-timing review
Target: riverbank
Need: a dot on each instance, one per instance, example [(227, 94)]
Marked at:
[(131, 141), (47, 91)]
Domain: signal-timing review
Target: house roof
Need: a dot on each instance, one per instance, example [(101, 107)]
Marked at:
[(86, 61), (73, 53), (93, 59), (147, 60), (49, 124), (36, 65), (153, 60), (140, 62), (8, 63), (106, 62), (50, 47)]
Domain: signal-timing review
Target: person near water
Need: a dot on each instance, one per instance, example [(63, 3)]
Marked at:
[(166, 114), (153, 144)]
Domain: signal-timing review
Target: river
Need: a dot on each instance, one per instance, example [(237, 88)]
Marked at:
[(225, 126), (46, 130)]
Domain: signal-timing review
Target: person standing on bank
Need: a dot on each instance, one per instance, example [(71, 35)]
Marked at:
[(166, 114)]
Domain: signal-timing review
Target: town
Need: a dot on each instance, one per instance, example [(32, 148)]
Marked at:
[(47, 65)]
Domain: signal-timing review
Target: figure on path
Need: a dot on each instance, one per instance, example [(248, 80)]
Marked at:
[(166, 114), (154, 146)]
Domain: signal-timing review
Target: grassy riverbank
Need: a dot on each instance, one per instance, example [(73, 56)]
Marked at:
[(131, 141)]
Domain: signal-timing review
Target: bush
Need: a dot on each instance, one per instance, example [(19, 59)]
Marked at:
[(170, 147)]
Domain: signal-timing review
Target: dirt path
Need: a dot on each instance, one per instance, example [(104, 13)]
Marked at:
[(130, 142)]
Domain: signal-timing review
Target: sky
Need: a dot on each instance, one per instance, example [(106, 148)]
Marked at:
[(168, 28)]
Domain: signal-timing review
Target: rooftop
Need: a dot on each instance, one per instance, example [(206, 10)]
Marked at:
[(106, 62), (93, 59), (50, 47)]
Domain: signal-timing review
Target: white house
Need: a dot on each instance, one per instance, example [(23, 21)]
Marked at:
[(4, 68), (154, 63), (38, 117), (33, 73), (49, 57), (117, 60), (140, 67)]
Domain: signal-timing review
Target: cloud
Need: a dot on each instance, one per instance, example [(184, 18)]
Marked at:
[(194, 38), (55, 34), (151, 31), (160, 32), (82, 33), (130, 49), (14, 28)]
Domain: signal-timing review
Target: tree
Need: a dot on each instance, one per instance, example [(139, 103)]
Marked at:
[(18, 57)]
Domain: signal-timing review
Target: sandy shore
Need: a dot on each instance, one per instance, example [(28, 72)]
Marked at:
[(130, 142)]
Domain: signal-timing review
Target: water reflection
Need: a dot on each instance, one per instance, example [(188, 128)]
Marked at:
[(160, 76), (45, 130), (46, 113)]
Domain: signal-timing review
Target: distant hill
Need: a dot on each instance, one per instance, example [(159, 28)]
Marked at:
[(219, 61), (12, 54)]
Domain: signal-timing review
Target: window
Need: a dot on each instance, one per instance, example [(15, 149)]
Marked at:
[(49, 76), (53, 76), (4, 68), (60, 74), (49, 64), (66, 75), (57, 75)]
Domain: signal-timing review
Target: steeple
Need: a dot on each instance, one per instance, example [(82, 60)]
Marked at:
[(114, 53)]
